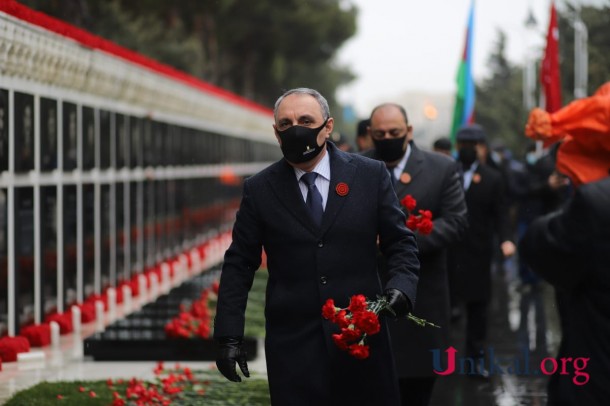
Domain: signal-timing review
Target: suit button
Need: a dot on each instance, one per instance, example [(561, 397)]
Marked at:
[(323, 280), (320, 244)]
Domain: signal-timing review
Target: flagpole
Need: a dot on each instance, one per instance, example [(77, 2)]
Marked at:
[(581, 55)]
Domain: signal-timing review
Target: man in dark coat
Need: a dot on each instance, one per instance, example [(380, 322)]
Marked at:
[(570, 248), (311, 260), (432, 180), (487, 214)]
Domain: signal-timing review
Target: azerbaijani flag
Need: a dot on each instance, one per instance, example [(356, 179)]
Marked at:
[(463, 112)]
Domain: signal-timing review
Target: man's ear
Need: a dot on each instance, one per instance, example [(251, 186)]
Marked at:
[(409, 132), (330, 124), (277, 137)]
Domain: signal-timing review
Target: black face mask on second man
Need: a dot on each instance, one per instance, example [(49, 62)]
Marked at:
[(390, 149), (300, 144)]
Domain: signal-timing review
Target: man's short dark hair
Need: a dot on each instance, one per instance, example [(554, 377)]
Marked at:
[(442, 143), (362, 127)]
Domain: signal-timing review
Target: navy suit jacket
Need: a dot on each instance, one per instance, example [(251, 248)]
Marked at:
[(309, 264)]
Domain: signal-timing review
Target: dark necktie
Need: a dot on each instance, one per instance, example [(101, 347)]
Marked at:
[(314, 198)]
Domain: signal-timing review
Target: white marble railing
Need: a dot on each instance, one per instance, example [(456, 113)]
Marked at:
[(34, 54)]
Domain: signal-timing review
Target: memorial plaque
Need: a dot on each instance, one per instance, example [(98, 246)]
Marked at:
[(136, 136), (106, 139), (107, 277), (149, 223), (4, 121), (121, 233), (48, 134), (134, 227), (24, 132), (70, 134), (70, 246), (24, 254), (3, 263), (88, 216), (88, 133), (122, 142), (48, 245)]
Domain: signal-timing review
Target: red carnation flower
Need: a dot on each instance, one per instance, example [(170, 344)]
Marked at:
[(359, 351), (357, 303), (409, 202), (340, 341), (425, 226), (329, 310), (367, 321)]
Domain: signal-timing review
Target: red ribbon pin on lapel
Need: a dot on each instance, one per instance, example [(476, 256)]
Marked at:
[(342, 189)]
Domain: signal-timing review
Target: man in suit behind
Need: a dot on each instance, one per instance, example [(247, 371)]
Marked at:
[(433, 181), (316, 250), (487, 215)]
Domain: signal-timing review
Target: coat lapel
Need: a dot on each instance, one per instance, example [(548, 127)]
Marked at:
[(284, 185), (341, 171)]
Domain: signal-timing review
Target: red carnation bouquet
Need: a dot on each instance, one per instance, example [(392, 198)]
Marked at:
[(358, 321), (421, 222)]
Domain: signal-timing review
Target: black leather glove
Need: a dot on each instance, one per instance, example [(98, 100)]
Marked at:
[(399, 302), (230, 352)]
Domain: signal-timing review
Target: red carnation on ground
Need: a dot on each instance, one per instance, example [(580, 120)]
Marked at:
[(11, 346), (38, 335)]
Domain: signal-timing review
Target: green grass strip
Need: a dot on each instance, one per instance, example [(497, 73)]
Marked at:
[(253, 391)]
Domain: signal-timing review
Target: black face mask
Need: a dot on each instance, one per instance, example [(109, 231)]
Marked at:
[(390, 149), (467, 155), (300, 144)]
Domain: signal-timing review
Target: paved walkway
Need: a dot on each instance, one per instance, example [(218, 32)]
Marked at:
[(520, 318), (523, 330)]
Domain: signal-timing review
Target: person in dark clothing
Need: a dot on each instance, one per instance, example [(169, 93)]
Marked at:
[(302, 211), (432, 180), (363, 139), (442, 145), (487, 215), (570, 248)]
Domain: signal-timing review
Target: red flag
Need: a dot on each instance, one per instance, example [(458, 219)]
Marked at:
[(549, 72)]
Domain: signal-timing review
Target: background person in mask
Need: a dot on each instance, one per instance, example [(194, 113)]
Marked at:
[(432, 180), (487, 214), (315, 251)]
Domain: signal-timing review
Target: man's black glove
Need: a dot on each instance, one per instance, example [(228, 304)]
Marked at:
[(398, 301), (230, 352)]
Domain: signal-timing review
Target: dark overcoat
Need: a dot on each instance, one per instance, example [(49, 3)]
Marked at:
[(570, 248), (435, 184), (308, 265), (433, 181), (487, 216)]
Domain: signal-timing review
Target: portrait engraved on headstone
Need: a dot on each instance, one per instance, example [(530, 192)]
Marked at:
[(24, 132), (48, 134)]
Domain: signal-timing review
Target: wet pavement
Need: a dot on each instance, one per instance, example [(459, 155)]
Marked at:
[(523, 330)]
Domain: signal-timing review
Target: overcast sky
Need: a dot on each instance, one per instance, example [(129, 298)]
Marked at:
[(415, 45)]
